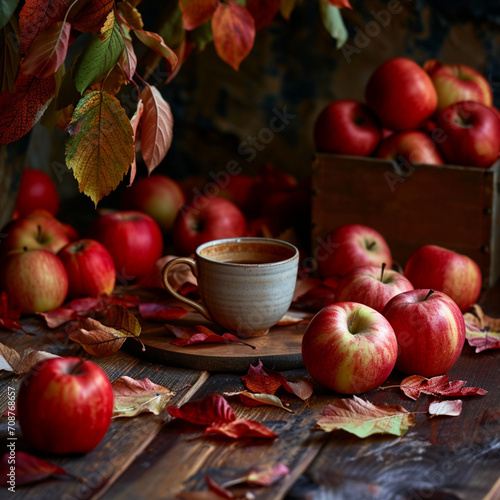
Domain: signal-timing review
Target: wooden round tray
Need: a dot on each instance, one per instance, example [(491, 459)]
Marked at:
[(280, 349)]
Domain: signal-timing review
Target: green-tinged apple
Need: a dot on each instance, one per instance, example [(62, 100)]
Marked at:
[(90, 268), (469, 134), (34, 279), (37, 190), (65, 405), (350, 246), (349, 348), (373, 286), (33, 231), (412, 146), (133, 239), (458, 82), (347, 127), (430, 331), (401, 94), (207, 218), (452, 273), (158, 196)]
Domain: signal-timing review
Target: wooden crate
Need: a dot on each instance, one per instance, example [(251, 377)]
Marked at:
[(454, 207)]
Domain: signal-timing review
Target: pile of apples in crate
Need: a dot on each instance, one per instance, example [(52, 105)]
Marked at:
[(44, 262), (434, 114)]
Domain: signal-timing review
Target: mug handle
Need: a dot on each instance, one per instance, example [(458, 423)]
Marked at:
[(194, 267)]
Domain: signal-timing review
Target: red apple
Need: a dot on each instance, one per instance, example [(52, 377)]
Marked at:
[(207, 218), (412, 146), (34, 279), (90, 268), (454, 274), (349, 348), (37, 190), (133, 239), (458, 82), (158, 196), (350, 246), (430, 330), (373, 286), (470, 134), (34, 231), (401, 93), (65, 405), (347, 127)]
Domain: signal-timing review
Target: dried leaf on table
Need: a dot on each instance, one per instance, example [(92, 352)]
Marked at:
[(363, 418), (415, 385), (213, 408), (12, 361), (72, 310), (447, 408), (241, 428), (29, 469), (132, 397), (218, 489), (104, 340), (253, 399), (295, 318), (302, 388), (124, 299), (199, 495), (160, 312), (199, 334), (58, 317), (481, 331), (233, 30), (9, 358), (262, 476), (10, 313)]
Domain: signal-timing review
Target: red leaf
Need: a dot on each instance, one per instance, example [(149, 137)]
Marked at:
[(263, 11), (160, 312), (124, 300), (206, 411), (36, 16), (92, 15), (196, 12), (156, 127), (222, 492), (261, 379), (86, 305), (241, 428), (21, 109), (233, 29), (28, 469), (48, 51), (415, 385), (10, 313), (188, 335), (340, 3), (156, 44), (58, 317)]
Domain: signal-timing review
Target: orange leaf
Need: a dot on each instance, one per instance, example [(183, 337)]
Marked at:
[(261, 379), (263, 11), (233, 28), (213, 408), (156, 127), (155, 43), (196, 12), (29, 469), (21, 109), (241, 428), (340, 3), (92, 15), (36, 16), (48, 51)]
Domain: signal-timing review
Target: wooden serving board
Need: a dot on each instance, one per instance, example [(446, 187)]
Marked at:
[(280, 349)]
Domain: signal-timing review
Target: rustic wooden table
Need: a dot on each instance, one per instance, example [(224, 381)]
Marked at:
[(156, 457)]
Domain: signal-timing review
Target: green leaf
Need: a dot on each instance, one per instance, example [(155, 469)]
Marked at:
[(202, 35), (100, 56), (333, 22), (7, 8), (101, 148), (363, 418)]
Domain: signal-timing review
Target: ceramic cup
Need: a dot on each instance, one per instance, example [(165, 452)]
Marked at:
[(246, 284)]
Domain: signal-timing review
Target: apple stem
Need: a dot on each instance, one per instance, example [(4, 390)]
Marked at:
[(370, 245), (76, 367), (382, 272), (429, 293), (39, 235)]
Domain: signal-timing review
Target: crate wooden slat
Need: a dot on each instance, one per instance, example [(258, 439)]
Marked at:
[(451, 206)]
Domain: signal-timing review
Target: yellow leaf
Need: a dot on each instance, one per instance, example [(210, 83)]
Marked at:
[(100, 149)]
